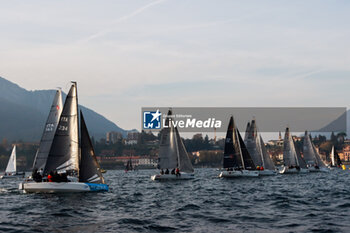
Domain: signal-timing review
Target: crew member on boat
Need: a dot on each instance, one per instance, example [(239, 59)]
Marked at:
[(177, 172)]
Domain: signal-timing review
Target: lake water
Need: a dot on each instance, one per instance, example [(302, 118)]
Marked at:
[(315, 202)]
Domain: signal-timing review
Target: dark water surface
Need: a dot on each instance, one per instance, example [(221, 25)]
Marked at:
[(316, 202)]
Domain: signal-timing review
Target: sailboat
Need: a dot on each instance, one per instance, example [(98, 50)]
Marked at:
[(293, 163), (257, 150), (237, 160), (76, 164), (128, 166), (335, 160), (311, 156), (11, 168), (173, 155)]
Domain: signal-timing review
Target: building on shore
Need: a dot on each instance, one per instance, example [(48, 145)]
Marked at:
[(112, 137)]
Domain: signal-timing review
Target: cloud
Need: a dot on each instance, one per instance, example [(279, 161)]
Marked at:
[(120, 20)]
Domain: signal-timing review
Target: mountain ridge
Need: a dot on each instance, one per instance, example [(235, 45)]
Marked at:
[(23, 114)]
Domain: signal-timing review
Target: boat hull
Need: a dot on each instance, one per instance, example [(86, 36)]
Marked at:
[(241, 173), (16, 176), (183, 176), (61, 187), (322, 169), (287, 170), (267, 173)]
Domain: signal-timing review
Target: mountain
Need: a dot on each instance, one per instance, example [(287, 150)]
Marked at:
[(23, 114)]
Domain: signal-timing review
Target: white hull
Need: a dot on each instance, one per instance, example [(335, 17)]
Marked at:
[(16, 176), (183, 176), (62, 187), (241, 173), (267, 173)]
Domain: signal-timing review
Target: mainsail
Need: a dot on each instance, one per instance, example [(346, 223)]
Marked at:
[(289, 152), (252, 142), (172, 152), (311, 156), (64, 152), (90, 170), (232, 155), (11, 165), (167, 158), (256, 147), (308, 151), (49, 132)]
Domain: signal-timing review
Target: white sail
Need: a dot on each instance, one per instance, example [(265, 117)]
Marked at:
[(168, 151), (308, 151), (11, 165), (172, 152), (332, 157), (289, 152)]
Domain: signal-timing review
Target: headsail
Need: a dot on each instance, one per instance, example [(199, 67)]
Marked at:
[(168, 155), (90, 170), (267, 161), (64, 152), (332, 157), (311, 155), (49, 132), (184, 160), (289, 153), (308, 150), (247, 159), (319, 161), (11, 165)]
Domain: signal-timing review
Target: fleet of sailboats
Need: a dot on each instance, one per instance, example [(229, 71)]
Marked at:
[(71, 162), (66, 151)]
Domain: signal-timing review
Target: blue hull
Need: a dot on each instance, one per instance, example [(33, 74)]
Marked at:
[(97, 187)]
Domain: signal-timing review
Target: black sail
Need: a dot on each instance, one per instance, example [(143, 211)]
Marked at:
[(49, 132), (248, 161), (232, 156), (90, 170), (64, 151)]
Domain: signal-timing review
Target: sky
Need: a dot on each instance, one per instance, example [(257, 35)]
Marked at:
[(181, 53)]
